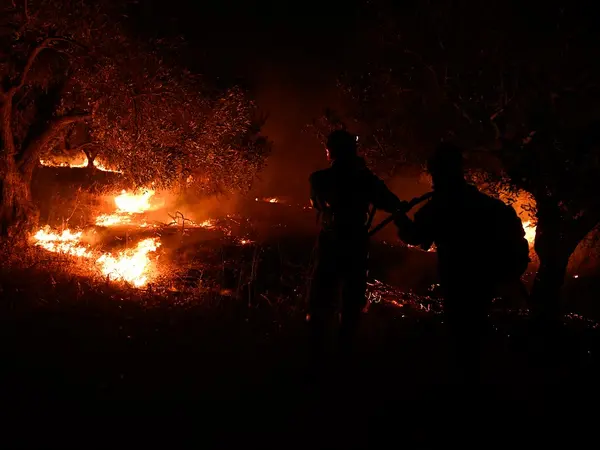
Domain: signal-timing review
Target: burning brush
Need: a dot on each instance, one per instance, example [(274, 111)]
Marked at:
[(132, 265), (136, 265)]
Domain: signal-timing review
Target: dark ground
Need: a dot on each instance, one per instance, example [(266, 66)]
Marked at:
[(79, 377), (88, 365)]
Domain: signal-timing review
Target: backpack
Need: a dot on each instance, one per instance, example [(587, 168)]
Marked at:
[(507, 249)]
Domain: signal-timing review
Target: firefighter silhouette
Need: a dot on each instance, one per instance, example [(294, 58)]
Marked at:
[(343, 195), (480, 244)]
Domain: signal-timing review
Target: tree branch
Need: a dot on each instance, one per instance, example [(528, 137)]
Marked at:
[(46, 43), (90, 155), (82, 146), (29, 157)]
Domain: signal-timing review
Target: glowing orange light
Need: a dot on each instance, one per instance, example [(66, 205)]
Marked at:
[(98, 164), (131, 265), (66, 242), (77, 161), (529, 232), (128, 204)]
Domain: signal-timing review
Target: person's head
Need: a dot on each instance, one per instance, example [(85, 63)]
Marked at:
[(446, 167), (340, 144)]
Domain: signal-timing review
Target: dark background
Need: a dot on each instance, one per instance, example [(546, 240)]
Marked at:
[(287, 53)]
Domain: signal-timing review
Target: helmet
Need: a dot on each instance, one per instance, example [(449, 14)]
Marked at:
[(340, 143)]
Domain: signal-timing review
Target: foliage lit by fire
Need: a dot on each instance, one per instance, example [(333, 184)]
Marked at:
[(79, 82)]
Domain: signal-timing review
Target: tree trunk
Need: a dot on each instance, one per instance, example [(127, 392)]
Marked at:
[(91, 157), (556, 240), (554, 248), (17, 211), (549, 280)]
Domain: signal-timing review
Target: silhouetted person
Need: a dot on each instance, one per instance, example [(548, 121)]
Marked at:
[(480, 244), (342, 195)]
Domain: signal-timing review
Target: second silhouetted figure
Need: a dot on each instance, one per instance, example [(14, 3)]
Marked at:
[(480, 245)]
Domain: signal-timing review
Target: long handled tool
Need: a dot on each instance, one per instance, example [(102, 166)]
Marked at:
[(410, 205)]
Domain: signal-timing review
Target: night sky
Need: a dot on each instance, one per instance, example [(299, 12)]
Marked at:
[(287, 53)]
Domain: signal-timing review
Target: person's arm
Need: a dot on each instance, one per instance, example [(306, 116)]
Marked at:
[(382, 198), (418, 231)]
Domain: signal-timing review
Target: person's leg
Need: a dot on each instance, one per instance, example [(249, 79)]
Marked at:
[(323, 296), (467, 320), (351, 315), (354, 286)]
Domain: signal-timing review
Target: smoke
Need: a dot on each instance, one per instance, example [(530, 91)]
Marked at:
[(194, 206)]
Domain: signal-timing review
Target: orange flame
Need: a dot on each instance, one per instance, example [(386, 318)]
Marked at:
[(98, 164), (529, 232), (131, 265), (134, 203), (66, 242), (109, 220), (77, 161), (128, 204)]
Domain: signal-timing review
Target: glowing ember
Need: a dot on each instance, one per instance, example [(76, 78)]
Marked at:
[(131, 265), (432, 249), (269, 200), (208, 223)]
